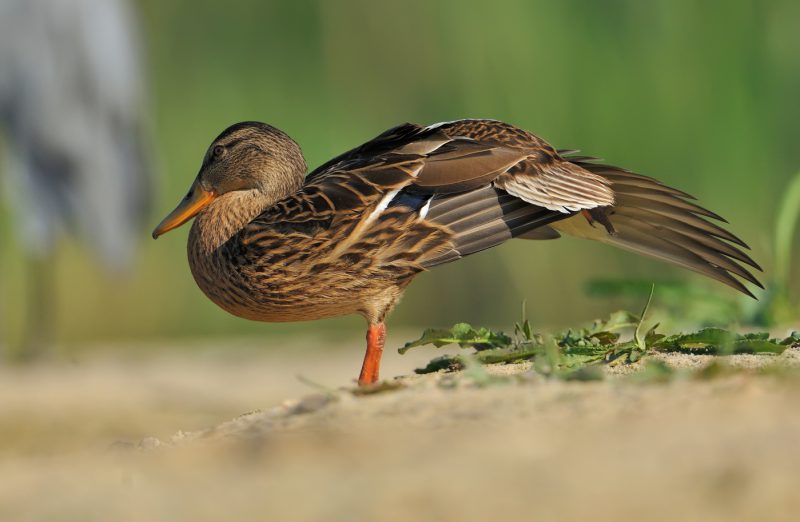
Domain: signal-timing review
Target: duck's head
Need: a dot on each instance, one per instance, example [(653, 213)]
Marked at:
[(247, 157)]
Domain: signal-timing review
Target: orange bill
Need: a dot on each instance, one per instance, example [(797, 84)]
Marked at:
[(196, 200)]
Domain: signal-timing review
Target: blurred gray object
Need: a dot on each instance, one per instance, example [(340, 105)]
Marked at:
[(71, 105)]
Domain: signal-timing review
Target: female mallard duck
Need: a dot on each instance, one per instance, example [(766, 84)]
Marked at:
[(272, 244)]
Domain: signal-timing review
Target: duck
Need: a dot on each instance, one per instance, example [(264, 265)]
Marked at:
[(272, 242)]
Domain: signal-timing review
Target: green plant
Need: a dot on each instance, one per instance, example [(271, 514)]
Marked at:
[(572, 353), (778, 306)]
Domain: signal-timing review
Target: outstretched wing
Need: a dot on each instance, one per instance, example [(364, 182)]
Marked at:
[(413, 163), (473, 184), (655, 220)]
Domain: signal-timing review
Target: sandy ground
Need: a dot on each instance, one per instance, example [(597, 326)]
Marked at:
[(166, 438)]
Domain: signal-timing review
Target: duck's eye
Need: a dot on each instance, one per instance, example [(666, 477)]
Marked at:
[(218, 151)]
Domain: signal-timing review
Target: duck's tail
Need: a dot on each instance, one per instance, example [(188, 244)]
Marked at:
[(658, 221)]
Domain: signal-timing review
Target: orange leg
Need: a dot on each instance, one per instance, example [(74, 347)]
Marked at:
[(376, 336)]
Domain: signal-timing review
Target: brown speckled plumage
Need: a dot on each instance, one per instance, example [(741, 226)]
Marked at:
[(272, 244)]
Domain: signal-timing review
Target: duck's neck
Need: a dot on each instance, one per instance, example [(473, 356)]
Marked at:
[(227, 215)]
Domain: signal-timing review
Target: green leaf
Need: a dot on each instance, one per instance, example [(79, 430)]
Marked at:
[(640, 334), (618, 320), (696, 341), (716, 340), (445, 362), (757, 346), (507, 355), (522, 329), (792, 340), (463, 335), (787, 220), (605, 337)]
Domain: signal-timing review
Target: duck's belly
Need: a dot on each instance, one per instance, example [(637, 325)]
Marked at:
[(269, 310), (280, 293), (277, 301)]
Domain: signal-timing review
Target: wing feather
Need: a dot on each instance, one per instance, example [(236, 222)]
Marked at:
[(655, 220), (474, 184)]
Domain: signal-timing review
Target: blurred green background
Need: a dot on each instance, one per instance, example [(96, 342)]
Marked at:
[(702, 95)]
